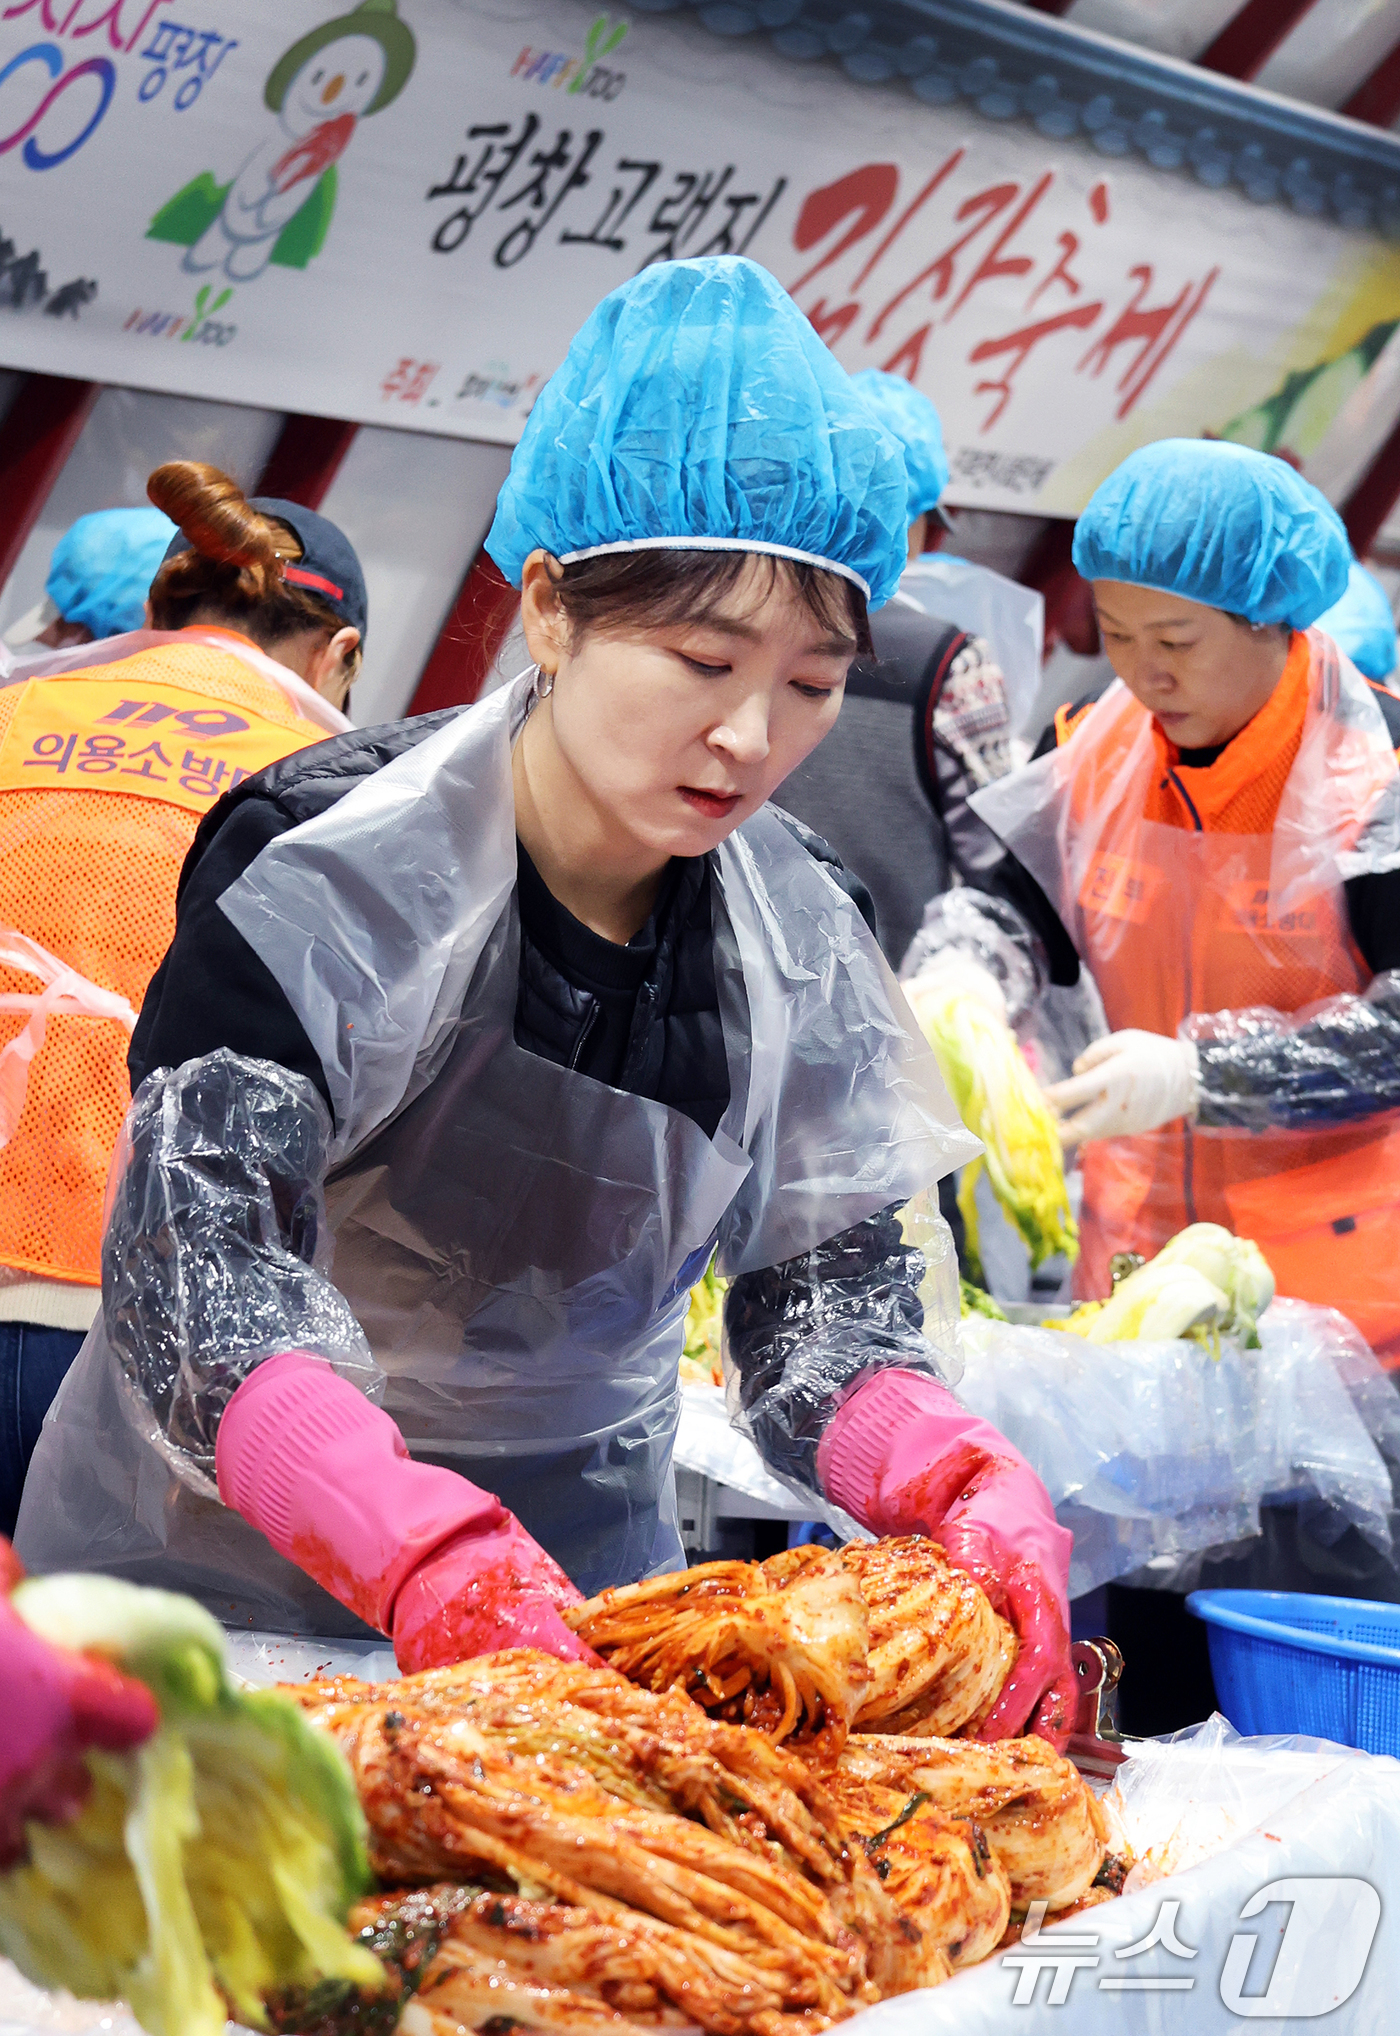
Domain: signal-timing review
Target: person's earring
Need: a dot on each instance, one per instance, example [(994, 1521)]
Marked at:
[(544, 683)]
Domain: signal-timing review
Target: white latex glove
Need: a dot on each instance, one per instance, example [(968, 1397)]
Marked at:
[(951, 973), (1125, 1084)]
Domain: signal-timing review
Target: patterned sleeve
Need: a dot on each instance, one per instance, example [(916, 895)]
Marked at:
[(972, 747)]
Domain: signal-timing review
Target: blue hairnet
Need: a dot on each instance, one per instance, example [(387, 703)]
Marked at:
[(1362, 624), (1216, 523), (696, 408), (902, 409), (101, 569)]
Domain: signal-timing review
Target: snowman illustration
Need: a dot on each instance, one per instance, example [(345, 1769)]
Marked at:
[(278, 207)]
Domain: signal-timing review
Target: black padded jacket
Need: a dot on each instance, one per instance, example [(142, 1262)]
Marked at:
[(800, 1334)]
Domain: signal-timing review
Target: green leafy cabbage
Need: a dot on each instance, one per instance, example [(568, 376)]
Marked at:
[(211, 1867), (704, 1331), (1204, 1283), (976, 1300), (1000, 1100)]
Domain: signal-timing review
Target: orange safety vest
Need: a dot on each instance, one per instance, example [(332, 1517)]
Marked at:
[(105, 774), (1220, 890)]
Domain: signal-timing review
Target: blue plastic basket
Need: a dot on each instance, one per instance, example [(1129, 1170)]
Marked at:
[(1284, 1661)]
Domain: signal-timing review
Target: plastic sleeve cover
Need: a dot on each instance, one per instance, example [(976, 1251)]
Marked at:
[(798, 1336), (993, 933), (1261, 1069), (216, 1251)]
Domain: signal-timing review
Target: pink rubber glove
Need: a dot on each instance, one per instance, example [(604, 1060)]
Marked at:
[(417, 1551), (904, 1458), (56, 1705)]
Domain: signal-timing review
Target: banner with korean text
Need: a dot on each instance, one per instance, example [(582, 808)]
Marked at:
[(400, 212)]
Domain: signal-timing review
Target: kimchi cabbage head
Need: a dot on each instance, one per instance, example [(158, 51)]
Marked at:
[(211, 1867)]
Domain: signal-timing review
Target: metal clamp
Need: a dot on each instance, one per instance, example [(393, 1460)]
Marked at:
[(1096, 1744)]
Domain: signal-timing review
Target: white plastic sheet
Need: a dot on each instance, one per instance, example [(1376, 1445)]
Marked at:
[(258, 1660), (1312, 1829), (1154, 1450), (27, 2010)]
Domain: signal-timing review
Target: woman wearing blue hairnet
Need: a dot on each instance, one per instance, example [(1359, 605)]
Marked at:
[(98, 579), (552, 1005), (1218, 838)]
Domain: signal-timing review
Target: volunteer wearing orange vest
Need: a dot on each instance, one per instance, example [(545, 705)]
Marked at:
[(1218, 837), (110, 754)]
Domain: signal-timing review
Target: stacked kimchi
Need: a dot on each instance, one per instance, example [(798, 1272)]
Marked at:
[(757, 1818)]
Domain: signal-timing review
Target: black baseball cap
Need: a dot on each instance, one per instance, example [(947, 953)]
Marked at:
[(327, 567)]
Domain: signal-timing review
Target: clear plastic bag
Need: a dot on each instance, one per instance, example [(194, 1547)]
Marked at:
[(1155, 1451), (1184, 1798), (261, 1660), (993, 933), (27, 2010)]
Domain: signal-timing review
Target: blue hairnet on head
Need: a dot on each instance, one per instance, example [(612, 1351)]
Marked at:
[(902, 409), (697, 409), (1362, 624), (1219, 524), (101, 569)]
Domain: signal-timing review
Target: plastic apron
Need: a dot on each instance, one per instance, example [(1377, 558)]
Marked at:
[(518, 1240), (1173, 923), (82, 657)]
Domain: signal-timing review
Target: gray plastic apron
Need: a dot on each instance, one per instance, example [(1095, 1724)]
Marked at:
[(519, 1246), (516, 1239)]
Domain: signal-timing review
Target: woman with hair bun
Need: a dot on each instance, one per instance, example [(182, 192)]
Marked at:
[(270, 572), (110, 756)]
